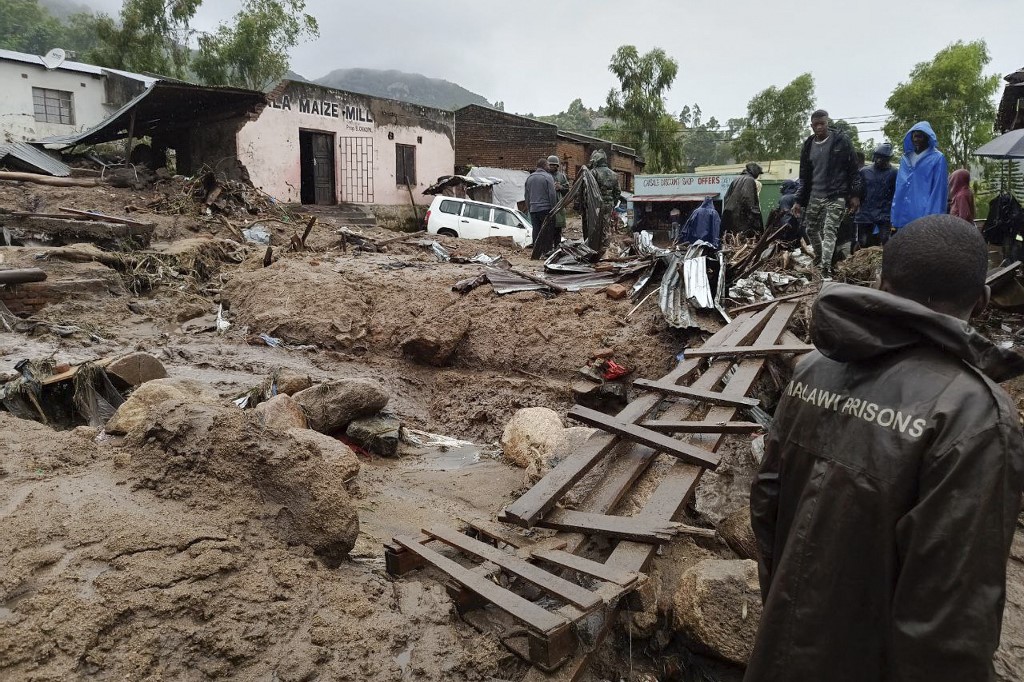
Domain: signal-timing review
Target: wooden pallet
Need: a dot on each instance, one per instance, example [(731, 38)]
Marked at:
[(630, 441)]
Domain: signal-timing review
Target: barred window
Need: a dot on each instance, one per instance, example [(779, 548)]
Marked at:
[(53, 106)]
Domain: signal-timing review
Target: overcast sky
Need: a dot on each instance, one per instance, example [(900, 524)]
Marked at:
[(537, 56)]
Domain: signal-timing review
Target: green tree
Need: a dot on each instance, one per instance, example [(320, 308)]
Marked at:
[(702, 143), (952, 93), (253, 51), (776, 121), (27, 26), (152, 36), (638, 106), (577, 118)]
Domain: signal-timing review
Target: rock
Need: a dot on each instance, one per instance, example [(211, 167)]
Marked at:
[(136, 369), (608, 396), (343, 461), (290, 382), (736, 531), (532, 434), (140, 406), (616, 291), (378, 434), (571, 440), (281, 413), (333, 405), (435, 344), (718, 604)]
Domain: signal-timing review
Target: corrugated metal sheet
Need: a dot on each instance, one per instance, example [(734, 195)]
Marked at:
[(505, 282), (27, 155)]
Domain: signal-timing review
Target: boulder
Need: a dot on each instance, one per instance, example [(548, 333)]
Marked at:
[(136, 369), (281, 413), (571, 440), (532, 435), (718, 604), (378, 434), (331, 406), (736, 531), (290, 382), (435, 343), (143, 402), (343, 462)]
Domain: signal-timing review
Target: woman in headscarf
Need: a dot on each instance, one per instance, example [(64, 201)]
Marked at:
[(961, 198)]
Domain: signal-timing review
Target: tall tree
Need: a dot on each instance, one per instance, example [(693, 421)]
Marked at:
[(776, 121), (253, 51), (577, 118), (152, 36), (702, 143), (638, 106), (953, 94), (27, 26)]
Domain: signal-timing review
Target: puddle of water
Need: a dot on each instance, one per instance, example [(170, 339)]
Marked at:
[(404, 660), (445, 459)]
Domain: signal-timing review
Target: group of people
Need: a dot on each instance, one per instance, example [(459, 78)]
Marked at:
[(841, 204), (888, 496)]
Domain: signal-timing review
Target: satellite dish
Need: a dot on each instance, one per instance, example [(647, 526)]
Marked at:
[(54, 58)]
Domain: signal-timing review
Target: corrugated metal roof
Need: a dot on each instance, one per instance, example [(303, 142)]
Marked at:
[(67, 65), (505, 282), (37, 159)]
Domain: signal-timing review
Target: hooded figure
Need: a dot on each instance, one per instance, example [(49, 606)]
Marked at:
[(961, 198), (888, 496), (608, 182), (704, 224), (921, 187), (741, 209)]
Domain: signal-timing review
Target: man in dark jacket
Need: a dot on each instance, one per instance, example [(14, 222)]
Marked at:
[(741, 209), (879, 185), (829, 181), (541, 197), (889, 492)]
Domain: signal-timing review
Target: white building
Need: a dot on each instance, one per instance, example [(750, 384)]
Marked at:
[(49, 96), (317, 145)]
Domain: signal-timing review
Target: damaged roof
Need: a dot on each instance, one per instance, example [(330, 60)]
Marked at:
[(68, 65), (166, 106), (24, 155), (446, 181)]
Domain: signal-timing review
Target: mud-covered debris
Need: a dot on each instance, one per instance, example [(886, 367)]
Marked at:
[(281, 413), (379, 434), (331, 406), (736, 531), (435, 343), (718, 605), (145, 401)]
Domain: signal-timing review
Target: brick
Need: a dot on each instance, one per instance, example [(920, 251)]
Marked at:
[(616, 291)]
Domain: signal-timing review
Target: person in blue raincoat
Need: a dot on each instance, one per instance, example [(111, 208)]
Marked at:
[(704, 224), (922, 181)]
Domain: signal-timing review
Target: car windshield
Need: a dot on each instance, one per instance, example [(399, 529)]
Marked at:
[(525, 218)]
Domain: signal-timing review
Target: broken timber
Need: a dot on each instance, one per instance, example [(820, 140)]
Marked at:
[(630, 441), (749, 350), (712, 397)]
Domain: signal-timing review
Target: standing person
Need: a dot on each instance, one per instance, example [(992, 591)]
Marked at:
[(562, 186), (675, 222), (874, 219), (541, 197), (600, 237), (704, 224), (961, 197), (888, 496), (921, 187), (829, 182), (741, 208)]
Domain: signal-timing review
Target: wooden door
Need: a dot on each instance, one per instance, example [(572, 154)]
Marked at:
[(323, 168)]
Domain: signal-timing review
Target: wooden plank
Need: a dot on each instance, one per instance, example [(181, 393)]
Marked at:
[(670, 426), (749, 350), (96, 215), (529, 507), (585, 566), (523, 610), (639, 434), (764, 304), (549, 582), (999, 273), (713, 397), (646, 530)]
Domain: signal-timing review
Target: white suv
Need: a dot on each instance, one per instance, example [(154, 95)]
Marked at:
[(470, 219)]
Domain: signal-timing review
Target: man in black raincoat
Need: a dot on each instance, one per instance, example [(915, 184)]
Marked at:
[(889, 492)]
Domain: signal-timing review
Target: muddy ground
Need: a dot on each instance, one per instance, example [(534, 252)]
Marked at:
[(109, 576)]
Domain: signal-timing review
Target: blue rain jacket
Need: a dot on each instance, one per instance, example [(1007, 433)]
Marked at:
[(703, 224), (921, 188)]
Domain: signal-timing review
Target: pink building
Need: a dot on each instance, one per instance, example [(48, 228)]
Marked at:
[(317, 145)]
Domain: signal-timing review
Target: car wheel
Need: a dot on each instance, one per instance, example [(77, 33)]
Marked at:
[(444, 231)]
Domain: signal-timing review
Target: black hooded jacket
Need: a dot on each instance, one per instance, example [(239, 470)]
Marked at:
[(887, 499), (843, 176)]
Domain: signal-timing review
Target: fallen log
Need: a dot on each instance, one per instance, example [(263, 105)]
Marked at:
[(103, 217), (22, 276), (557, 288), (48, 180)]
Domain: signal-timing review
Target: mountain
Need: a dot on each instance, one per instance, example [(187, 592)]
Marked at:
[(407, 87), (62, 9)]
